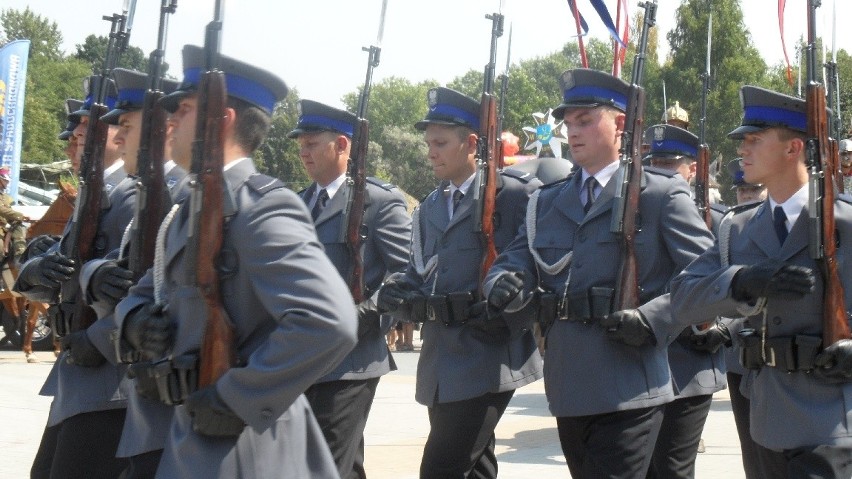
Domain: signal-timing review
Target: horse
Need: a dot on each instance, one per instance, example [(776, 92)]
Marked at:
[(51, 223)]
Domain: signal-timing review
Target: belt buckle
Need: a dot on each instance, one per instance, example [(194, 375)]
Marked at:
[(430, 313), (769, 359), (562, 309)]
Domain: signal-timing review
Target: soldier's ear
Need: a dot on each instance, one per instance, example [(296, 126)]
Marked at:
[(620, 119), (342, 143)]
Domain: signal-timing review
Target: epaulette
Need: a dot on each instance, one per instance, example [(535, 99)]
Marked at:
[(659, 171), (263, 184), (522, 176), (736, 209), (380, 183), (719, 207), (559, 181), (844, 197)]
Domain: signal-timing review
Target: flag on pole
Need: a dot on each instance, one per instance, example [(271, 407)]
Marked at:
[(13, 82)]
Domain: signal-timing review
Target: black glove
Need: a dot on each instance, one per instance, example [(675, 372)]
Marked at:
[(489, 330), (711, 339), (111, 281), (630, 327), (81, 351), (507, 286), (38, 246), (49, 270), (149, 330), (368, 319), (391, 295), (834, 363), (211, 416), (772, 279)]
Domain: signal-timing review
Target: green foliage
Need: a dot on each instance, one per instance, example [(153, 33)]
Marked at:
[(278, 156), (94, 48), (51, 78), (734, 62)]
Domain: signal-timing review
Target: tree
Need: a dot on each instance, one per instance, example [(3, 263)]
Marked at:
[(43, 34), (734, 62), (93, 51), (51, 78), (278, 156)]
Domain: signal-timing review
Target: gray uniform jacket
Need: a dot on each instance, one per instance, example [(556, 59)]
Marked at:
[(788, 410), (454, 363), (698, 373), (586, 373), (79, 389), (294, 322), (384, 251)]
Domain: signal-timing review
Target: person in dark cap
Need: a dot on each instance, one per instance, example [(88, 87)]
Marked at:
[(293, 316), (746, 192), (761, 270), (845, 147), (471, 362), (341, 399), (87, 412), (607, 375)]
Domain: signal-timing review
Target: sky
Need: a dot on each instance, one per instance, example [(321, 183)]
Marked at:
[(315, 46)]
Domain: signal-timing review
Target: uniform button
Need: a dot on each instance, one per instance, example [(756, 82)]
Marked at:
[(444, 269), (550, 242), (776, 320), (266, 413), (716, 289), (579, 265), (582, 238), (445, 242)]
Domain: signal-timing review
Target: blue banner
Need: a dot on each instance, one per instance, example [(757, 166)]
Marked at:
[(13, 82)]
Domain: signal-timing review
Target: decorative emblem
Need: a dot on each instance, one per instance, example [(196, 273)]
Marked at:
[(299, 108), (547, 131), (659, 133), (568, 80), (433, 98)]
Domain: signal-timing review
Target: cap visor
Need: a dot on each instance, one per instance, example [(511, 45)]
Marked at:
[(111, 117), (740, 132), (422, 124), (171, 101)]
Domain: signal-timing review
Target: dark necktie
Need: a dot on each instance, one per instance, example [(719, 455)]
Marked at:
[(589, 186), (322, 198), (457, 196), (780, 218)]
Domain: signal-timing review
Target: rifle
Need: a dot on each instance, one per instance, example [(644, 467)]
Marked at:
[(206, 218), (821, 166), (356, 175), (151, 189), (832, 84), (626, 202), (702, 175), (488, 153), (504, 89), (80, 243)]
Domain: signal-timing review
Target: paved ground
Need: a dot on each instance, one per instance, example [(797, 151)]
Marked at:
[(527, 444)]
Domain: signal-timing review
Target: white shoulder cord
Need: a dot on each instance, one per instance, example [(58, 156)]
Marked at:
[(417, 250), (160, 256), (532, 216), (125, 238)]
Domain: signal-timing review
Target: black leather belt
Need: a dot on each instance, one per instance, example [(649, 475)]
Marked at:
[(449, 309), (169, 381), (788, 353)]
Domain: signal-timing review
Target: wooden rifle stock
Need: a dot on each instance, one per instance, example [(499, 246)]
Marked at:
[(218, 348), (627, 285), (823, 163), (702, 185), (150, 187), (355, 211), (835, 323), (87, 211), (487, 171)]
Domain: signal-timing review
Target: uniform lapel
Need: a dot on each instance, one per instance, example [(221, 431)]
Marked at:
[(568, 200), (603, 203), (762, 231), (437, 213), (797, 240), (335, 205)]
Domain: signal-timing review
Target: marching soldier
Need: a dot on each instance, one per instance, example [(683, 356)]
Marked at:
[(607, 375), (695, 359), (470, 364), (746, 192), (764, 272), (12, 221), (341, 400), (291, 311), (87, 413)]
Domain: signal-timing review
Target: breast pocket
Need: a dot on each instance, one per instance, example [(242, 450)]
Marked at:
[(552, 246)]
